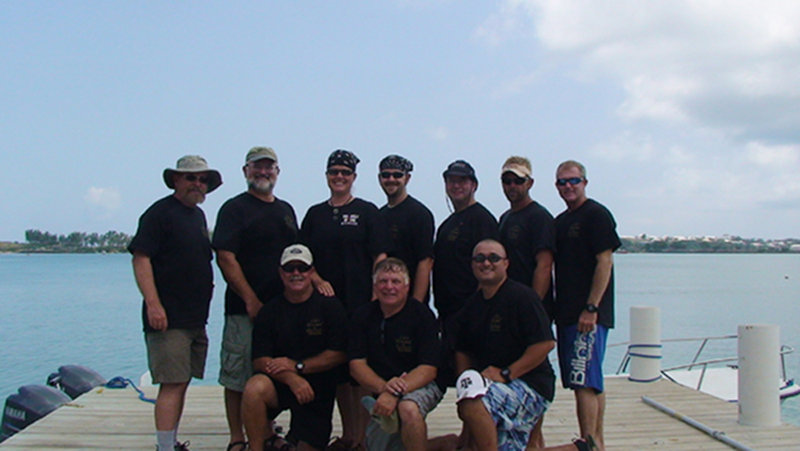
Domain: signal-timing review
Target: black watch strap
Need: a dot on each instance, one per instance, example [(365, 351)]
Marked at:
[(506, 374), (591, 308)]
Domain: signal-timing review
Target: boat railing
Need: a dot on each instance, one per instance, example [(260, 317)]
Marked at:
[(696, 362)]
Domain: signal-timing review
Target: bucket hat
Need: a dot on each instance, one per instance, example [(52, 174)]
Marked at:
[(193, 164)]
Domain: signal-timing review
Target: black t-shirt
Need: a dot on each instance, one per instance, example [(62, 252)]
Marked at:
[(580, 236), (497, 332), (345, 241), (397, 344), (175, 237), (299, 331), (257, 232), (453, 281), (524, 233), (410, 225)]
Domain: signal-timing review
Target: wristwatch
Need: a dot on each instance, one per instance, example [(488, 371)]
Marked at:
[(506, 373), (591, 308), (300, 366)]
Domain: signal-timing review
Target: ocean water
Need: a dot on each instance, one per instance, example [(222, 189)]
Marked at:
[(85, 310)]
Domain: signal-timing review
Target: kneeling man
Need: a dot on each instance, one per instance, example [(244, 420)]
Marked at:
[(394, 353), (504, 337), (299, 341)]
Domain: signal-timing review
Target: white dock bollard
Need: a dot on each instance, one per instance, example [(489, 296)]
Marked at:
[(645, 347), (759, 375)]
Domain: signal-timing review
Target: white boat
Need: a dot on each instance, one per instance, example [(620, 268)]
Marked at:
[(718, 377)]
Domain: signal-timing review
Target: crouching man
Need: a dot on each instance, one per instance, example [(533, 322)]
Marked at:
[(394, 353), (506, 381), (299, 341)]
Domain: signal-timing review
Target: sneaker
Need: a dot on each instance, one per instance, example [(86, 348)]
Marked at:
[(182, 446), (339, 445)]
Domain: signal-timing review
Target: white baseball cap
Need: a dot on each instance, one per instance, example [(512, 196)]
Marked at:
[(471, 384)]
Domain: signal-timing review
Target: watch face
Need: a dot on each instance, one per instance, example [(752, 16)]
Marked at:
[(300, 366), (591, 308)]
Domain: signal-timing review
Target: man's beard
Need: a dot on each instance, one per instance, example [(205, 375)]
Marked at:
[(261, 185)]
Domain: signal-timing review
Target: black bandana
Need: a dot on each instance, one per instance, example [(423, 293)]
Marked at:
[(343, 157), (396, 162)]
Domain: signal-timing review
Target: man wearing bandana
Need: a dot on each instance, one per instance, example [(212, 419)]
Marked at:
[(347, 236), (410, 224)]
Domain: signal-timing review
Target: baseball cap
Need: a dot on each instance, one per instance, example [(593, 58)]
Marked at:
[(260, 153), (471, 384), (460, 168), (297, 252)]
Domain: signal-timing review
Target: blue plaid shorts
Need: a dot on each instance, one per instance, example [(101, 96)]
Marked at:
[(515, 408)]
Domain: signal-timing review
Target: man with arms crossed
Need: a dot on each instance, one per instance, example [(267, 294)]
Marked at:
[(299, 340), (394, 354), (252, 230), (172, 266), (410, 224), (586, 238), (527, 232)]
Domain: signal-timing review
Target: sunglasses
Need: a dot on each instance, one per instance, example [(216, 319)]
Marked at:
[(493, 258), (292, 267), (391, 174), (193, 178), (571, 181), (344, 172), (514, 180)]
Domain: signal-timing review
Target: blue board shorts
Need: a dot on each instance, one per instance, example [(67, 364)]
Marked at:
[(515, 408), (580, 357)]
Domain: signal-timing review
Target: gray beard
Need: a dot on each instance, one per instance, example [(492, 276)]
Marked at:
[(260, 187)]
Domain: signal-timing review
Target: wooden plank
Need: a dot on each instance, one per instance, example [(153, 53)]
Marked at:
[(117, 419)]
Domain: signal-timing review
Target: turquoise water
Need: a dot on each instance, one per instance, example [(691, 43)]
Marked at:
[(85, 309)]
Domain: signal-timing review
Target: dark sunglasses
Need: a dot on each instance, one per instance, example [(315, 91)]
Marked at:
[(571, 181), (291, 267), (493, 258), (391, 174), (344, 172), (514, 180), (193, 178)]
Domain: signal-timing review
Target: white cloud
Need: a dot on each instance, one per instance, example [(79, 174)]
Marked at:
[(732, 66), (440, 133), (104, 201)]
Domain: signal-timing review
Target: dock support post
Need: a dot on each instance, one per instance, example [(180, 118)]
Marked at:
[(645, 347), (759, 362)]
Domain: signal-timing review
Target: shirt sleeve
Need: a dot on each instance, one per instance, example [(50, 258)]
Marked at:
[(262, 340), (337, 319), (602, 232), (148, 235), (226, 231), (430, 346), (357, 345)]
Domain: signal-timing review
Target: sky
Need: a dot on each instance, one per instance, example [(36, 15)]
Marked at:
[(685, 113)]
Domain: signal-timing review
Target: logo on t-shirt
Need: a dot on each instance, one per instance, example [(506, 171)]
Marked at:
[(350, 219), (574, 230), (403, 344), (314, 327), (496, 324)]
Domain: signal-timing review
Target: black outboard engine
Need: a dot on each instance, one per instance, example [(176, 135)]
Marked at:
[(29, 404), (75, 380)]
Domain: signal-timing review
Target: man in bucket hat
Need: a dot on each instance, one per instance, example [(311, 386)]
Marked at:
[(172, 265)]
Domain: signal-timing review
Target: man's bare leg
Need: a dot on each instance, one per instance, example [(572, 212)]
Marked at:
[(259, 395), (354, 416), (536, 440), (413, 430), (233, 412), (169, 405), (479, 423), (590, 406)]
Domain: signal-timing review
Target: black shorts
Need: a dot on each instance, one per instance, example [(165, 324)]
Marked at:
[(312, 422)]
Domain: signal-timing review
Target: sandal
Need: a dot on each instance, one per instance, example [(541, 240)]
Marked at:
[(237, 446), (277, 443)]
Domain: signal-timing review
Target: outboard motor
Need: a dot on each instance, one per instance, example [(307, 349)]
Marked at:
[(29, 404), (75, 380)]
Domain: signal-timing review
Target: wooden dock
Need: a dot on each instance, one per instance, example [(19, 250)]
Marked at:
[(117, 419)]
